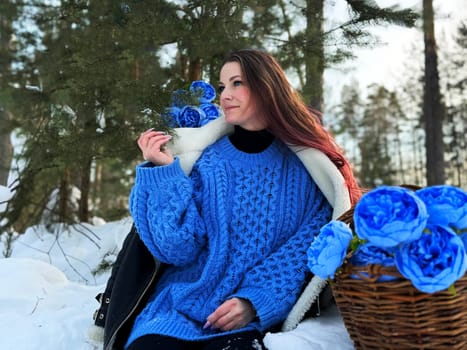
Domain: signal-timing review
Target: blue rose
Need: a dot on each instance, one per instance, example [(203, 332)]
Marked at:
[(205, 91), (328, 250), (189, 117), (368, 254), (446, 205), (389, 215), (211, 112), (433, 262)]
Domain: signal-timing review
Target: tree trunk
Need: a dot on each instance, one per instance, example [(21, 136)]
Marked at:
[(136, 73), (432, 108), (83, 211), (6, 148), (64, 197), (314, 54), (6, 151), (194, 69)]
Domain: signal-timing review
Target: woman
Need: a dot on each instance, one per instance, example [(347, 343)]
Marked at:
[(231, 217)]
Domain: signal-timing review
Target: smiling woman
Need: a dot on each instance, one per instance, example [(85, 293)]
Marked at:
[(240, 107), (228, 226)]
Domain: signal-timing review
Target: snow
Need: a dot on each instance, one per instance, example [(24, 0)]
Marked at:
[(49, 284), (5, 195)]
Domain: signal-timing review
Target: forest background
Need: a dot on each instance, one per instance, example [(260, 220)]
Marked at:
[(79, 80)]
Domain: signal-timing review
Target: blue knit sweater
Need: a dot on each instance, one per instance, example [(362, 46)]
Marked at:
[(238, 226)]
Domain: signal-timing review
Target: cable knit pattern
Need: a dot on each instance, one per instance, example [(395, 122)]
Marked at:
[(238, 226)]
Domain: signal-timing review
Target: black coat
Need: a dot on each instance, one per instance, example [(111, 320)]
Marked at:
[(133, 276)]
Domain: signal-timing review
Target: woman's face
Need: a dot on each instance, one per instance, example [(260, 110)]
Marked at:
[(236, 99)]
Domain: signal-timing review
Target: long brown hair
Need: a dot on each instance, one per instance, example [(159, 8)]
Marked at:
[(288, 117)]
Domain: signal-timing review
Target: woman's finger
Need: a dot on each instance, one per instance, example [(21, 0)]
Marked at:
[(149, 138), (152, 145)]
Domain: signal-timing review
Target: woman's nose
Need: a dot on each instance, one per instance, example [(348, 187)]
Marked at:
[(225, 95)]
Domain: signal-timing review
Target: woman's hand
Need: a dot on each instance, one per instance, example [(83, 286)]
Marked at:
[(152, 144), (232, 314)]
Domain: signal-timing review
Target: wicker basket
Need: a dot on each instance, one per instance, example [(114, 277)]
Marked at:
[(395, 315)]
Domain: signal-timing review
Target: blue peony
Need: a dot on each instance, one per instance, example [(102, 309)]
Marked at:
[(328, 250), (190, 117), (446, 205), (389, 215), (367, 254), (211, 112), (203, 90), (433, 262)]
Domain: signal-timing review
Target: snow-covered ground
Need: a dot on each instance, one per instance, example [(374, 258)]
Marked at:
[(49, 283)]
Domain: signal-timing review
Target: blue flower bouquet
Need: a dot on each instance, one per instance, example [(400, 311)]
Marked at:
[(397, 265), (192, 108)]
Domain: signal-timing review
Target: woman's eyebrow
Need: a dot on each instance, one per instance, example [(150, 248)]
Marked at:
[(234, 77), (231, 78)]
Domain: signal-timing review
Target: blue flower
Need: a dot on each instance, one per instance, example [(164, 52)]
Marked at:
[(446, 205), (422, 233), (328, 250), (389, 215), (204, 91), (367, 254), (433, 262), (190, 117), (192, 108), (211, 112)]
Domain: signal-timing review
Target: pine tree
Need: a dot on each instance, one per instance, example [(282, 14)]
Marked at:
[(377, 163), (101, 78), (85, 94), (311, 45), (350, 114), (456, 112)]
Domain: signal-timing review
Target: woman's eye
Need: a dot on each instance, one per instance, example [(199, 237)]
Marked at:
[(237, 83), (220, 89)]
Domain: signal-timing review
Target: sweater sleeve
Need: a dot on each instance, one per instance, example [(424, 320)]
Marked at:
[(165, 214), (274, 285)]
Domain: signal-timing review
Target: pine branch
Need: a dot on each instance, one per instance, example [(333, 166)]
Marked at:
[(368, 11)]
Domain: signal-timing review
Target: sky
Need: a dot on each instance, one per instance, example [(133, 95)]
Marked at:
[(48, 289), (385, 64)]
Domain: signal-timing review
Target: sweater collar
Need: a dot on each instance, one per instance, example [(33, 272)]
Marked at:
[(251, 141)]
